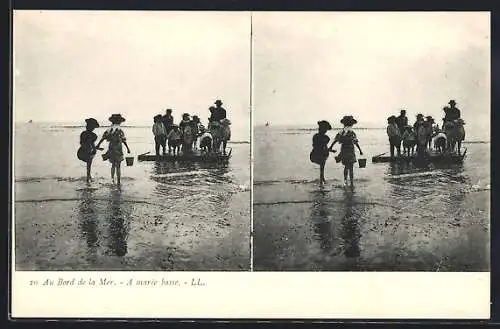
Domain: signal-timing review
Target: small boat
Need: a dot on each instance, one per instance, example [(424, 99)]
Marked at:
[(31, 121), (450, 158), (195, 156), (267, 124)]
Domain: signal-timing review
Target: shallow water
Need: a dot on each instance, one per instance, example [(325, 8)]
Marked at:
[(397, 217), (176, 216)]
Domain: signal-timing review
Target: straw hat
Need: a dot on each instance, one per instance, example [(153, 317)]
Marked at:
[(92, 123), (323, 124), (348, 120), (116, 118)]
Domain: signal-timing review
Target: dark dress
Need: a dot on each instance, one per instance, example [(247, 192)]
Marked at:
[(87, 148), (320, 152), (347, 140)]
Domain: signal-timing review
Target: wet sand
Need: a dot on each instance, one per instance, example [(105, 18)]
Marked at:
[(336, 229), (114, 234)]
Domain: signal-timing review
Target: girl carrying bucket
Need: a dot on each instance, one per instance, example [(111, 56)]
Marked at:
[(87, 149), (116, 137), (347, 138)]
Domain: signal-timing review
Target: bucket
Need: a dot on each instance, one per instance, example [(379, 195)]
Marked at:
[(362, 163), (130, 161)]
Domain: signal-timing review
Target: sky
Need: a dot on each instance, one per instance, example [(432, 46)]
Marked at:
[(314, 66), (71, 65)]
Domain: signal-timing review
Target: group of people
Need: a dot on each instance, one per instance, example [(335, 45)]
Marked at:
[(184, 136), (116, 138), (425, 134), (348, 141)]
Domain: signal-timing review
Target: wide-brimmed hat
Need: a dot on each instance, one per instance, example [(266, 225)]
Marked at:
[(325, 125), (92, 123), (420, 115), (116, 118), (348, 120), (218, 102), (452, 101), (429, 118), (184, 115)]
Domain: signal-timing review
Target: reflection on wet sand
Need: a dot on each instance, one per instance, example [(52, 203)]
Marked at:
[(321, 217), (87, 214), (350, 227), (118, 216), (325, 212)]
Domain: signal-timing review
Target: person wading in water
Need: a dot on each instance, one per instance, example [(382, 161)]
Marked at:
[(87, 149), (320, 151), (116, 137), (347, 138)]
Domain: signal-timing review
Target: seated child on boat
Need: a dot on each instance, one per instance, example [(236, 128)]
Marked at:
[(206, 140), (409, 141), (174, 140)]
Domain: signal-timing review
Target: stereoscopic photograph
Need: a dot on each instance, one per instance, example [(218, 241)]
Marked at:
[(131, 140), (371, 141)]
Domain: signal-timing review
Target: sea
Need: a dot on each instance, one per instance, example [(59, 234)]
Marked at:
[(396, 218), (163, 217)]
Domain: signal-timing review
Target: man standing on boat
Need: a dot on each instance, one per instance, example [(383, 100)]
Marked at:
[(452, 113), (219, 112), (402, 121)]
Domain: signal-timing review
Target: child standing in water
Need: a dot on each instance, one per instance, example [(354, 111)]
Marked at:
[(347, 138), (116, 137), (87, 149), (320, 151), (160, 133), (394, 135)]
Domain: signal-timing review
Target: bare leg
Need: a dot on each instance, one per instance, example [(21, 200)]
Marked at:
[(118, 173), (322, 173), (351, 174), (346, 171), (113, 172), (89, 166), (157, 146)]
